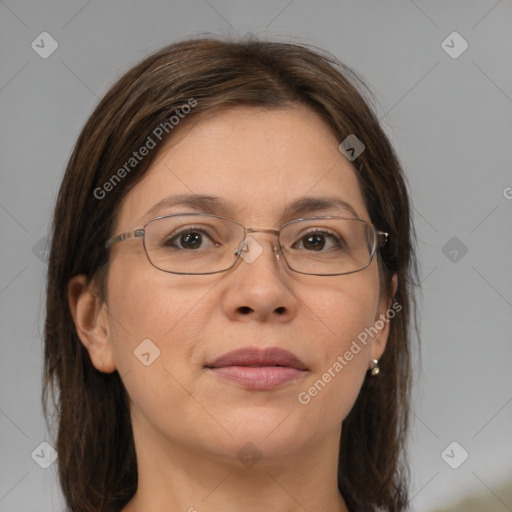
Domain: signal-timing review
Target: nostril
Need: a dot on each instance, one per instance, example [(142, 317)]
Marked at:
[(245, 309)]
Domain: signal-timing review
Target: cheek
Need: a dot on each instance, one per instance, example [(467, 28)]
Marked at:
[(343, 314), (155, 322), (335, 383), (343, 311), (147, 305)]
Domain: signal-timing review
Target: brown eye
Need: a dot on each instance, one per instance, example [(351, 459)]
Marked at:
[(314, 242), (190, 239), (318, 240)]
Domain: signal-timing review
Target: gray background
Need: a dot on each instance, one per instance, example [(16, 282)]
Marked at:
[(450, 119)]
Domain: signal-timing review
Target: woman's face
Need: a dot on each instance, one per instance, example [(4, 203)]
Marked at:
[(256, 162)]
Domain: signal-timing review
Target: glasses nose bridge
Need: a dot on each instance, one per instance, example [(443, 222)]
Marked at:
[(258, 230)]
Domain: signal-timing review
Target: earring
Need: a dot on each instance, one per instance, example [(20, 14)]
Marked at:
[(375, 366)]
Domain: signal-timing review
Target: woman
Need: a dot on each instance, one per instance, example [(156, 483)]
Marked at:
[(229, 300)]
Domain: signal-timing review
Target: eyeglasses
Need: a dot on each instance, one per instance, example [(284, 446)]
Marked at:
[(198, 243)]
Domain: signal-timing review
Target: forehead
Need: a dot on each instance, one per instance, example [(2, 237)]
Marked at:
[(261, 166)]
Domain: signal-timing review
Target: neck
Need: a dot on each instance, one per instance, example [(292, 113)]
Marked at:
[(173, 477)]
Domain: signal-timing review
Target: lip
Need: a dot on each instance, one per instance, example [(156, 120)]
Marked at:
[(256, 368)]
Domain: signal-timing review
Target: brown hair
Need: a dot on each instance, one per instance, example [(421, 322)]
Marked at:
[(96, 454)]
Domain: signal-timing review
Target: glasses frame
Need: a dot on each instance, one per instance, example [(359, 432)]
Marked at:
[(380, 238)]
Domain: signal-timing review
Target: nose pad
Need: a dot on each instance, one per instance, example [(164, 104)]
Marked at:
[(240, 248), (249, 249)]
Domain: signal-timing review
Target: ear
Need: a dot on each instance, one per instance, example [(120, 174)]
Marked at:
[(90, 318), (381, 323)]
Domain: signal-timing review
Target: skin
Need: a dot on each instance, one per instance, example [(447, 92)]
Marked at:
[(188, 423)]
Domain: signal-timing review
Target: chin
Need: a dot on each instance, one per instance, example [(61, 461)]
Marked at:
[(269, 432)]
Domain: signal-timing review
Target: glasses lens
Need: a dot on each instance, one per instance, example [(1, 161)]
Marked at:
[(326, 246), (192, 244)]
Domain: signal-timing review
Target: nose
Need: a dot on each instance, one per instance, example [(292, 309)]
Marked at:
[(257, 289)]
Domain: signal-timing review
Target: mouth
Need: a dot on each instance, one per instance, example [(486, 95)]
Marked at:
[(258, 369)]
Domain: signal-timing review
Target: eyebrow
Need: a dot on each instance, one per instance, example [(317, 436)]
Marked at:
[(217, 206)]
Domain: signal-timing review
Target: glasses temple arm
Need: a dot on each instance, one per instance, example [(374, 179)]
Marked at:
[(124, 236)]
